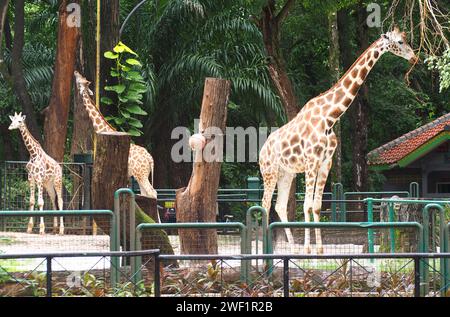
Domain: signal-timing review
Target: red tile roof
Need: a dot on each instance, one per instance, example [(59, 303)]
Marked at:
[(397, 149)]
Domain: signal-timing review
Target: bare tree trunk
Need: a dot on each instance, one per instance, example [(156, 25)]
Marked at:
[(57, 113), (360, 113), (336, 172), (110, 170), (82, 126), (17, 71), (270, 26), (197, 201)]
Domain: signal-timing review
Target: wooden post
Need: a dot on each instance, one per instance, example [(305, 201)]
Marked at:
[(110, 171), (197, 201)]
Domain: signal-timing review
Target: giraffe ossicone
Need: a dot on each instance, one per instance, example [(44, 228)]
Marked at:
[(43, 172), (306, 144), (140, 162)]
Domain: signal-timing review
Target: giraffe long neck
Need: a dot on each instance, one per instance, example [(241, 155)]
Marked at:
[(345, 90), (33, 146), (98, 121)]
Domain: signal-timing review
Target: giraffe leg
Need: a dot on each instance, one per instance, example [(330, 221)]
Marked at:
[(284, 186), (41, 206), (310, 178), (58, 190), (32, 202), (270, 181), (322, 176), (51, 193)]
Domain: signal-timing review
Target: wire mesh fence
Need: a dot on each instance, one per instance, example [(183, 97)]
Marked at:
[(15, 193), (52, 275), (370, 275)]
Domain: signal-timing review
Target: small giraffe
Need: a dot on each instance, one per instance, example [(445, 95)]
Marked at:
[(140, 162), (307, 143), (43, 171)]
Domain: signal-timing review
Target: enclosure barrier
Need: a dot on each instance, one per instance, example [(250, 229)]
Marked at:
[(403, 280), (113, 235), (67, 282), (199, 226)]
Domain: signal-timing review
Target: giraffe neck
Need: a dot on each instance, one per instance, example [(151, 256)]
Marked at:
[(345, 90), (98, 121), (33, 146)]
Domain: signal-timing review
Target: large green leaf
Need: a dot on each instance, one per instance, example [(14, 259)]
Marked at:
[(106, 101), (133, 62), (116, 88), (110, 55), (136, 110)]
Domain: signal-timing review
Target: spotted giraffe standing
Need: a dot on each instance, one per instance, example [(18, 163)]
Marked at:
[(307, 143), (43, 172), (140, 162)]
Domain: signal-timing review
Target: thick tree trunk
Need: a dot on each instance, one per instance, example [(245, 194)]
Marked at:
[(57, 113), (197, 202), (336, 172), (17, 71), (82, 126), (110, 170), (269, 25), (360, 114)]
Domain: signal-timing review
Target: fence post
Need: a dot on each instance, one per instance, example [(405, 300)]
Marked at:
[(370, 220), (49, 276), (253, 184), (286, 277), (391, 230), (417, 277), (157, 280)]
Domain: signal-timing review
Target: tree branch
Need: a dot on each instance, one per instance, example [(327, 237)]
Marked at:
[(285, 11)]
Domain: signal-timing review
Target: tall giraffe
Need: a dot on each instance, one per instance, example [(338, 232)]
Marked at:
[(307, 143), (140, 162), (43, 171)]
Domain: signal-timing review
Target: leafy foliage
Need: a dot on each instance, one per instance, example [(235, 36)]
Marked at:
[(129, 89), (442, 65)]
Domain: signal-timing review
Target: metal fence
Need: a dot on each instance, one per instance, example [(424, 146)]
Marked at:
[(50, 275), (15, 192), (344, 275)]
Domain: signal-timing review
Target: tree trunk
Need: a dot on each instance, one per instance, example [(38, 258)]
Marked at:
[(360, 113), (57, 113), (336, 172), (269, 25), (82, 126), (197, 201), (110, 170), (17, 71)]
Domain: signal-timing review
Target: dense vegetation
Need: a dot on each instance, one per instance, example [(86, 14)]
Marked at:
[(181, 42)]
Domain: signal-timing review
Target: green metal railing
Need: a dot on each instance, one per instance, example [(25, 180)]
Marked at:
[(252, 211), (113, 235), (192, 225)]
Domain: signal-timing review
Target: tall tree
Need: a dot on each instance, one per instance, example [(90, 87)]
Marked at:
[(17, 71), (336, 172), (57, 113), (270, 25), (360, 112)]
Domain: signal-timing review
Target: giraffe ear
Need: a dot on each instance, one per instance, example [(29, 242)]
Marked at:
[(23, 117), (90, 92), (11, 118)]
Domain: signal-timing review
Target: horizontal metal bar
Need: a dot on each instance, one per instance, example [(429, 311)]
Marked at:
[(79, 254), (191, 225), (344, 224), (407, 201), (36, 213), (304, 256), (25, 162)]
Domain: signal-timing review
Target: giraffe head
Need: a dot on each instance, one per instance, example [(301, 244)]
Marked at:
[(82, 83), (396, 43), (18, 120)]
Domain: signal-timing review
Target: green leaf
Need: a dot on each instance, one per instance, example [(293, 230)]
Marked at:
[(106, 100), (138, 87), (117, 88), (114, 73), (127, 49), (133, 62), (136, 110), (125, 114), (134, 132), (135, 76), (119, 121), (135, 123), (111, 55)]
